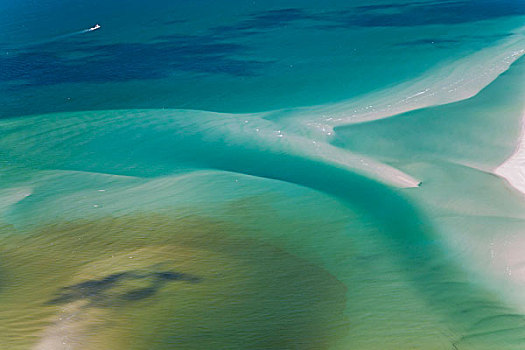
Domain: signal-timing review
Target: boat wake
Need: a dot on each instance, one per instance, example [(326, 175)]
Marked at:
[(53, 39)]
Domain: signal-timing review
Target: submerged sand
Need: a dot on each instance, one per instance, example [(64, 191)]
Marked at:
[(124, 283)]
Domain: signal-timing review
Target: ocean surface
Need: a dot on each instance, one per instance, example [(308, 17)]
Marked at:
[(236, 174)]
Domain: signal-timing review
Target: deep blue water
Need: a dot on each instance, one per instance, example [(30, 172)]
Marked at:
[(230, 56)]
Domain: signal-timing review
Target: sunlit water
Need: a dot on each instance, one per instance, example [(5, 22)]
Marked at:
[(221, 175)]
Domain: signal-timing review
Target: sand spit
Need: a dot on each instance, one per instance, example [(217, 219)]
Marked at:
[(513, 169)]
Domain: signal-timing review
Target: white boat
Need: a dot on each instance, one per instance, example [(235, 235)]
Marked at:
[(95, 27)]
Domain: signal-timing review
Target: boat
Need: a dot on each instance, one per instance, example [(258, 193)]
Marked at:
[(94, 28)]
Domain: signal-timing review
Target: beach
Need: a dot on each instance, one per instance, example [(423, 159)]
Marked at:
[(512, 168)]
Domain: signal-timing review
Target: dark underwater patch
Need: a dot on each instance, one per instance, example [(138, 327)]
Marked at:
[(218, 50), (139, 294), (101, 292), (423, 13), (263, 21), (75, 61)]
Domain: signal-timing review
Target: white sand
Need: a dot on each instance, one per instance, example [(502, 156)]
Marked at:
[(11, 196), (513, 169), (452, 82), (63, 333)]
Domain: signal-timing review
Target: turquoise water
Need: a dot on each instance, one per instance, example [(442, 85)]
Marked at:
[(249, 175)]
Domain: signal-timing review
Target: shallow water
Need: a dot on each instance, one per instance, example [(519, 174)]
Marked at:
[(136, 274), (240, 175)]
